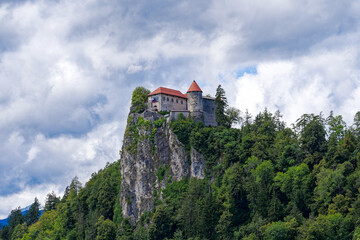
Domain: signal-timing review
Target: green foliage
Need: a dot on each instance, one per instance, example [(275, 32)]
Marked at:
[(183, 127), (313, 134), (232, 194), (164, 112), (159, 123), (221, 106), (223, 228), (259, 188), (329, 183), (329, 227), (105, 229), (33, 214), (198, 214), (134, 124), (19, 231), (15, 218), (296, 183), (139, 99), (262, 181), (278, 231), (162, 224), (51, 201), (161, 172), (225, 115), (174, 193)]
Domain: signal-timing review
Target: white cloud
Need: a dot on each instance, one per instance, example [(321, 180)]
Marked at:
[(321, 81), (68, 67)]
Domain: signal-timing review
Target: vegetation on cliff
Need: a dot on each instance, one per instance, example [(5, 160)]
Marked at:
[(139, 99), (262, 181)]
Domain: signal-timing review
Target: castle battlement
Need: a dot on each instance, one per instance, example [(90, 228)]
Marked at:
[(190, 104)]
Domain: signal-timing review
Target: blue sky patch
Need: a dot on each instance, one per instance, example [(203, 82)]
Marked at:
[(248, 69)]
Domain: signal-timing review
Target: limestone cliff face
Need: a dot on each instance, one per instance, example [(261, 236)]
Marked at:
[(151, 157)]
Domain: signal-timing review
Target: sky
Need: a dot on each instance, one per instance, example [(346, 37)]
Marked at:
[(68, 68)]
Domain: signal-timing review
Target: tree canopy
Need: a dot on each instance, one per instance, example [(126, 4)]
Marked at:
[(262, 181), (139, 99)]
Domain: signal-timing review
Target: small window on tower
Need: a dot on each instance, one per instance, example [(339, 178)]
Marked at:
[(177, 101), (172, 100), (181, 102), (167, 99)]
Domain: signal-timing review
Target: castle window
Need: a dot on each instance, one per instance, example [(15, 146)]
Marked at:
[(181, 102), (167, 99), (177, 101), (172, 100)]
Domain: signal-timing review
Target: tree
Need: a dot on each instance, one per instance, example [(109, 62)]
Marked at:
[(233, 115), (105, 229), (139, 99), (233, 195), (278, 231), (15, 218), (162, 224), (313, 134), (259, 187), (34, 212), (51, 201), (195, 211), (356, 125), (221, 106), (329, 227), (19, 231), (336, 125), (75, 185), (296, 184), (223, 229)]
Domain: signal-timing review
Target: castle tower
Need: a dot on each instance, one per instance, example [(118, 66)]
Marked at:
[(195, 101)]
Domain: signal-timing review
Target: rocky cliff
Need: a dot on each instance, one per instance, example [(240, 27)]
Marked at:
[(151, 157)]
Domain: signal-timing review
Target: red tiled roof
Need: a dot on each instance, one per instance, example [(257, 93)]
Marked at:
[(194, 87), (168, 91)]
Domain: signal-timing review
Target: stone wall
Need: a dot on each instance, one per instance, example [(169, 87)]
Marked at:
[(175, 114), (167, 103), (209, 111), (194, 102)]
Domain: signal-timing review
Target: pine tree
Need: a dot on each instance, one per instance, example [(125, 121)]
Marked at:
[(34, 212), (51, 201), (221, 106), (15, 218)]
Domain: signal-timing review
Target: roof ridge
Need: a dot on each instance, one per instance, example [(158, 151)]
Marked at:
[(168, 91)]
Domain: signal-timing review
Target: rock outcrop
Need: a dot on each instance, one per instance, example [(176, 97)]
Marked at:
[(151, 157)]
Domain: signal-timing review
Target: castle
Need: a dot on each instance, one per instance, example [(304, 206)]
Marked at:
[(193, 103)]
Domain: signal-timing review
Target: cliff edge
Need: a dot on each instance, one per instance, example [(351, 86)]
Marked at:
[(151, 157)]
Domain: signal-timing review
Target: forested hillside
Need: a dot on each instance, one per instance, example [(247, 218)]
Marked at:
[(264, 180)]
